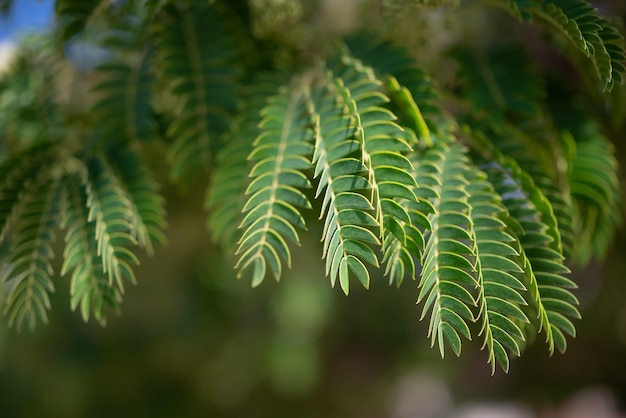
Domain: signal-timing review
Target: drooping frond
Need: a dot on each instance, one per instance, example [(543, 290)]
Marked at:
[(274, 195), (109, 209), (543, 265), (593, 34), (89, 286), (350, 225), (499, 299), (536, 152), (484, 204), (446, 262), (613, 39), (14, 176), (123, 110), (404, 243), (112, 204), (27, 270), (505, 96), (532, 159), (389, 172), (596, 192), (533, 223), (124, 113), (196, 57), (225, 196), (145, 206)]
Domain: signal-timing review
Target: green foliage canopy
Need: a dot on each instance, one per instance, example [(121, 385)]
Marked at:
[(479, 190)]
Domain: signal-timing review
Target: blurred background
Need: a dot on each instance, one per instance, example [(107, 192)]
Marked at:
[(194, 341)]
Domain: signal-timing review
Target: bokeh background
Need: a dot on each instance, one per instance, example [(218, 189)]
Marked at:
[(194, 341)]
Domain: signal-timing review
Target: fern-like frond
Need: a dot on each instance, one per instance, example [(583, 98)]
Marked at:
[(446, 266), (541, 154), (27, 269), (533, 222), (526, 184), (613, 39), (543, 265), (389, 172), (507, 93), (124, 111), (350, 225), (109, 209), (499, 299), (146, 207), (596, 192), (89, 286), (196, 56), (15, 174), (404, 240), (225, 197), (593, 34), (274, 194), (535, 154)]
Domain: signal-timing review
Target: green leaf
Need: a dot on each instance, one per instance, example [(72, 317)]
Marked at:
[(196, 54), (146, 206), (27, 269), (89, 285), (596, 192), (15, 174), (581, 23), (111, 210), (445, 274), (124, 113), (352, 205), (542, 264), (273, 196)]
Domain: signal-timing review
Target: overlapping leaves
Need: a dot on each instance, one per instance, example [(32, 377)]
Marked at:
[(124, 111), (543, 266), (27, 269), (470, 267), (446, 262), (596, 192), (363, 178), (597, 37), (196, 57), (281, 151), (382, 145), (225, 198), (499, 299), (106, 208), (485, 216), (90, 287), (488, 239), (349, 216)]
